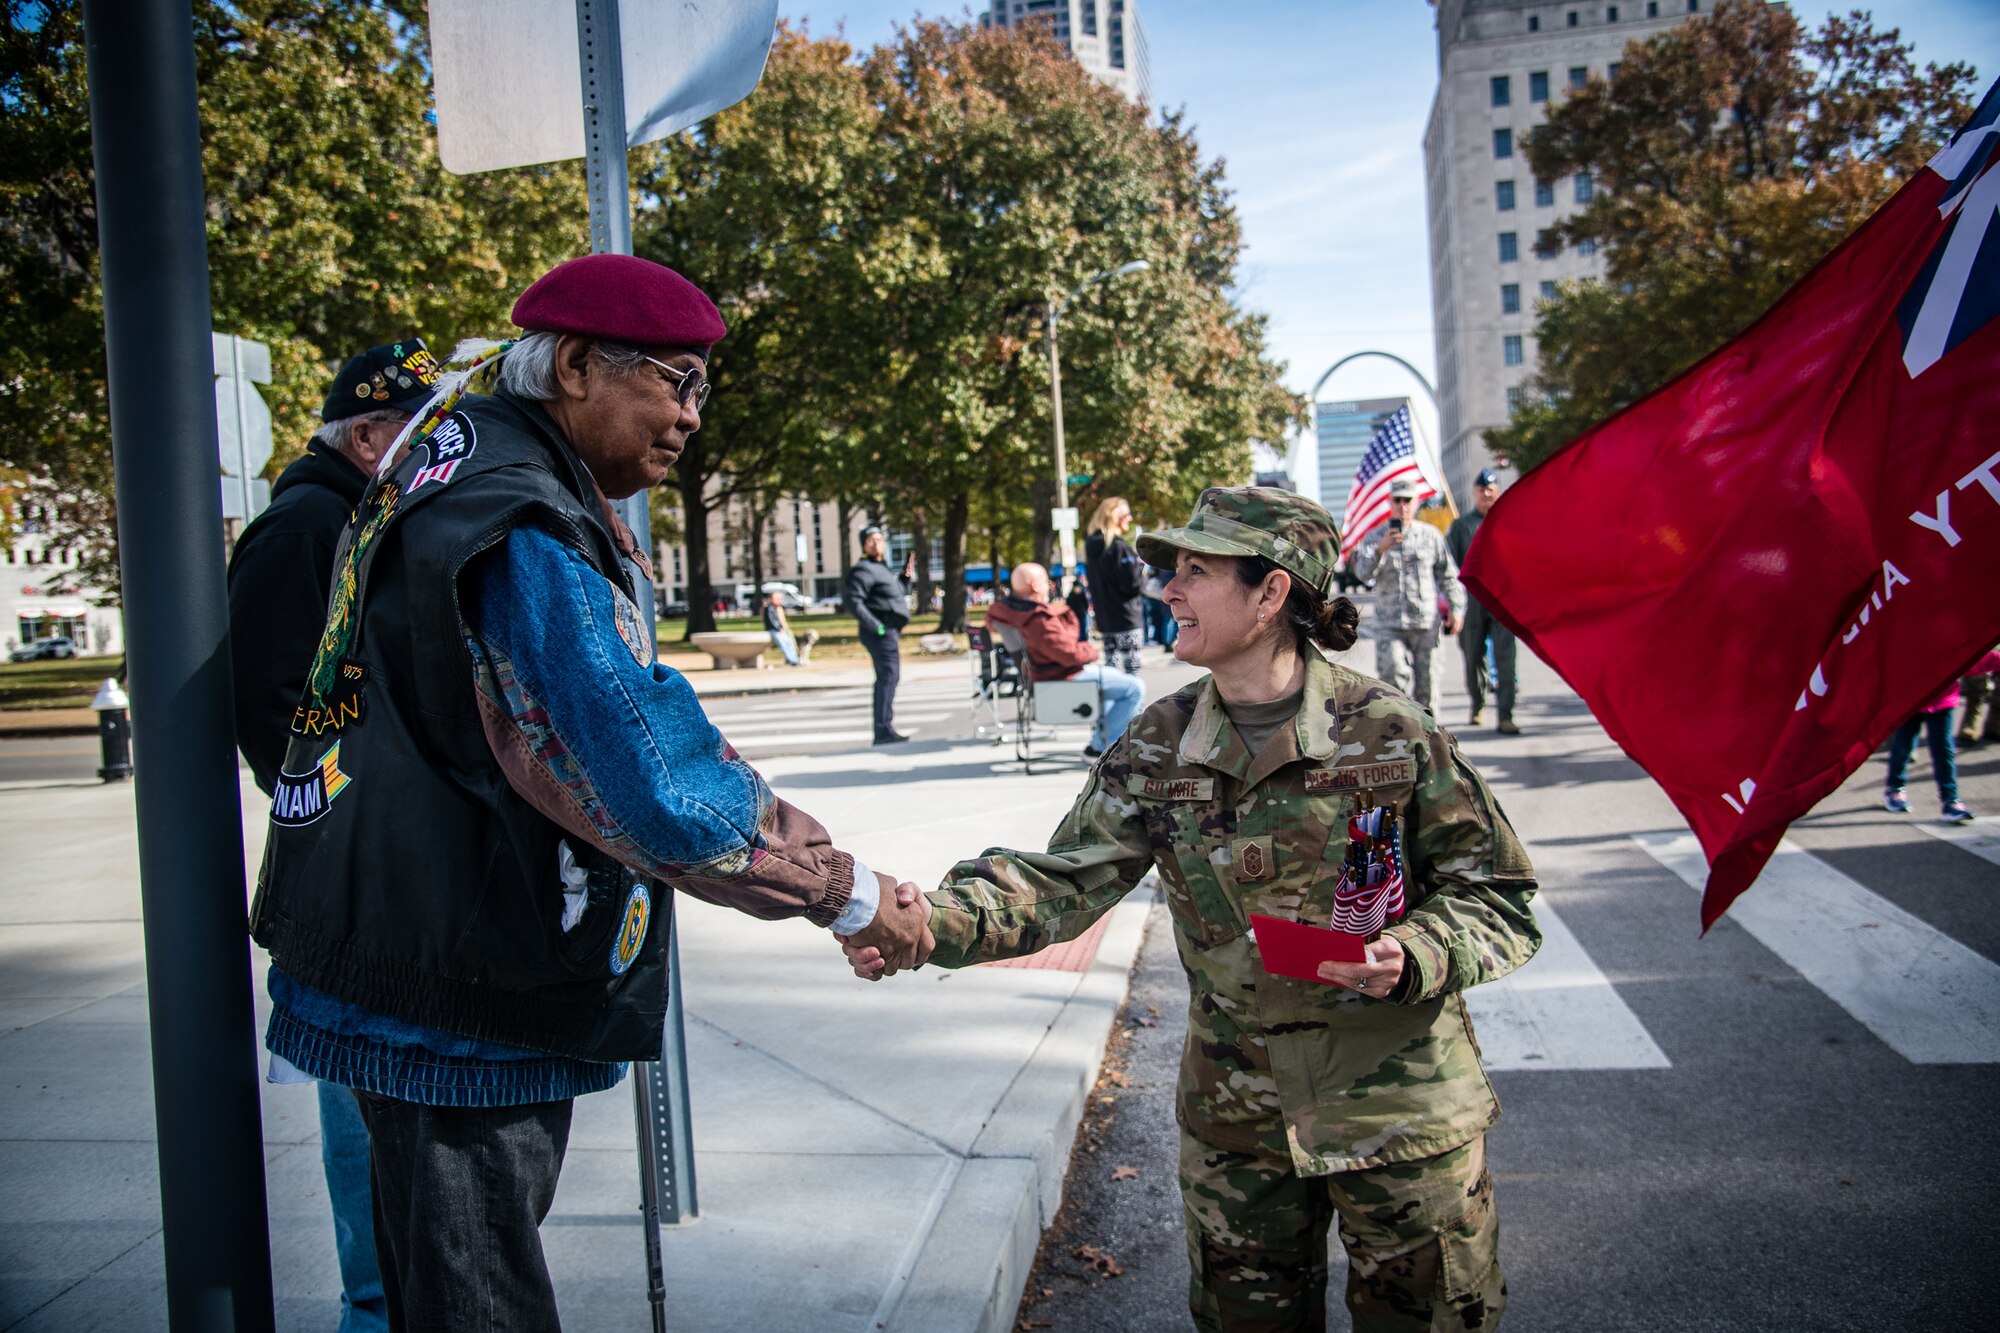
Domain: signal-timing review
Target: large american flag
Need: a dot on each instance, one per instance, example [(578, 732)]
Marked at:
[(1391, 455)]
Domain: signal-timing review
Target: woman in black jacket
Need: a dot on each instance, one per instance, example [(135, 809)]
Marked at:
[(1115, 576)]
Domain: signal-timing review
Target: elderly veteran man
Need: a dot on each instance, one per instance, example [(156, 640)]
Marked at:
[(491, 782), (278, 580), (1411, 567)]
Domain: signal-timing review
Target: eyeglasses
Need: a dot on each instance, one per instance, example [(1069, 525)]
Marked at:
[(1402, 499), (690, 385)]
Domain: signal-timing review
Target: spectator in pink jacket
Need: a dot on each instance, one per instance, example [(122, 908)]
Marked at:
[(1934, 720)]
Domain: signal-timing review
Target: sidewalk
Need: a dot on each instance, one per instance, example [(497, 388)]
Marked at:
[(826, 674), (867, 1157)]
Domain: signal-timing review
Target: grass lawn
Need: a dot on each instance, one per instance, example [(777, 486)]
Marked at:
[(839, 636), (52, 684)]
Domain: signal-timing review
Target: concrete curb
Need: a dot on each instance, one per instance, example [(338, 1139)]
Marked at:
[(973, 1266)]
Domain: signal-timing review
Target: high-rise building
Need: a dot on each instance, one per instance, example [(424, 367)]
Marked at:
[(1500, 63), (1344, 430), (1103, 36)]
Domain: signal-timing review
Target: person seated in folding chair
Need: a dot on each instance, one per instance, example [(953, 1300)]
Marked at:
[(1056, 652)]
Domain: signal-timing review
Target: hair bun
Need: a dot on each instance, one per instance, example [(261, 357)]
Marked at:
[(1339, 624)]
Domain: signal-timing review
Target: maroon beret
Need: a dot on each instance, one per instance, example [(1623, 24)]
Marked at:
[(620, 298)]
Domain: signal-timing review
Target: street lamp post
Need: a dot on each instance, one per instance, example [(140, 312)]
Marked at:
[(1066, 534)]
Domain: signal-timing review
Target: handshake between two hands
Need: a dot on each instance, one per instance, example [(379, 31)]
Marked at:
[(898, 937)]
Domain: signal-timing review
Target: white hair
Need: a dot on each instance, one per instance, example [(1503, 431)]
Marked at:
[(339, 434), (529, 368)]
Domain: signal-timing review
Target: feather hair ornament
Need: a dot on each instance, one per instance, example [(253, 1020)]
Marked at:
[(473, 365)]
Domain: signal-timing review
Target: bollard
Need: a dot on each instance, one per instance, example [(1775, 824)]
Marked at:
[(114, 731)]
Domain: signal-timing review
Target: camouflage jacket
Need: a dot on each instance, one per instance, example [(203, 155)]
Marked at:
[(1408, 578), (1275, 1064)]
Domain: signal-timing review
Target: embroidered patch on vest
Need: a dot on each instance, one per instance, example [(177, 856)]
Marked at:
[(451, 444), (339, 708), (1253, 858), (300, 798), (630, 630), (1354, 777), (632, 931), (1178, 789)]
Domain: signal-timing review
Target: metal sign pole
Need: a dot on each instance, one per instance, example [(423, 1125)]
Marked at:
[(146, 147), (660, 1088)]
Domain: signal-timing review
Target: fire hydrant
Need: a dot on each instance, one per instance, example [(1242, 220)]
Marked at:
[(114, 731)]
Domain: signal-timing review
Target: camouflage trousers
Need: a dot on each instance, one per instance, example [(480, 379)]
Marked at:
[(1422, 1240), (1407, 659), (1981, 720)]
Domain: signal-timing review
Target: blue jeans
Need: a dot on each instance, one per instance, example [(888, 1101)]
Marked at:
[(1122, 696), (1944, 755), (343, 1150), (1160, 622), (786, 645)]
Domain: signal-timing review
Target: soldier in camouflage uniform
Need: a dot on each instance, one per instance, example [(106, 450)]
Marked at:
[(1410, 564), (1303, 1105)]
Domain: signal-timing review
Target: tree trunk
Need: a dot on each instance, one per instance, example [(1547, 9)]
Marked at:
[(694, 515), (955, 511), (1043, 498), (920, 546), (993, 558), (759, 520)]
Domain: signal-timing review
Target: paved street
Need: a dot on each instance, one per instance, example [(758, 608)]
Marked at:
[(1762, 1129), (1784, 1125)]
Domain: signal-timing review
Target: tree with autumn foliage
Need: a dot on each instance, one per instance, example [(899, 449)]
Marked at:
[(331, 224), (884, 233), (1730, 154)]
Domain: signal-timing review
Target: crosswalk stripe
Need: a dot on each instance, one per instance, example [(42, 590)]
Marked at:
[(1929, 997), (1559, 1011), (1981, 839), (764, 744), (806, 735)]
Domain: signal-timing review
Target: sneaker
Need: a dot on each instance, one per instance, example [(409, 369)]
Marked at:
[(1507, 727), (1954, 812), (1896, 801), (1477, 713), (891, 738), (1092, 752)]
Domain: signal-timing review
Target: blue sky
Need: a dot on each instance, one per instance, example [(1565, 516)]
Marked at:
[(1318, 107)]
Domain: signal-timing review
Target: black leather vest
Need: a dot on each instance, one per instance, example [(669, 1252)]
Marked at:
[(403, 873)]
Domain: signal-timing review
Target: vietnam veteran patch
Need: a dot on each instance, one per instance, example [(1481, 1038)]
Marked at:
[(1354, 777)]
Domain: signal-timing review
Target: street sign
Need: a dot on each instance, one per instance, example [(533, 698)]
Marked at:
[(1081, 479), (242, 423), (1064, 520), (506, 73)]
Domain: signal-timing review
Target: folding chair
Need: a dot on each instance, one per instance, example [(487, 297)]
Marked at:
[(1046, 703), (995, 674)]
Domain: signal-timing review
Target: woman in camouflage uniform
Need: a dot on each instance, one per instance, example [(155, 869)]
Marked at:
[(1361, 1101)]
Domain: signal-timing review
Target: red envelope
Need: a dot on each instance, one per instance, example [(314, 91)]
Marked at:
[(1294, 949)]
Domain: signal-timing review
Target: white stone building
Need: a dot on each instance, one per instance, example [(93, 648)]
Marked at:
[(1104, 36), (44, 597), (1500, 62), (801, 547)]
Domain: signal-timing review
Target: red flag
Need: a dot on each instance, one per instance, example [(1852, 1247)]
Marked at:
[(1756, 574)]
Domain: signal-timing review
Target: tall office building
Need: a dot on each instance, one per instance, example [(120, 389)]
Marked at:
[(1344, 430), (1500, 62), (1103, 36)]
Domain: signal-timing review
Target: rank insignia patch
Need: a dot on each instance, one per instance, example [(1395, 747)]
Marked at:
[(1252, 857)]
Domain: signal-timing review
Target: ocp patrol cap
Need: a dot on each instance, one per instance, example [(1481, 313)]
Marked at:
[(1284, 527)]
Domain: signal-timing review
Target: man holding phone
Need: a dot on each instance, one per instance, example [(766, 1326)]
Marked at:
[(1411, 565)]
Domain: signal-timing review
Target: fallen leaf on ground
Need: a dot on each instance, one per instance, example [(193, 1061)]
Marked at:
[(1125, 1173), (1098, 1261)]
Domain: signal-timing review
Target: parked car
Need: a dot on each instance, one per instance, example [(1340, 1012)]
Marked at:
[(673, 610), (43, 648), (827, 603), (789, 595)]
